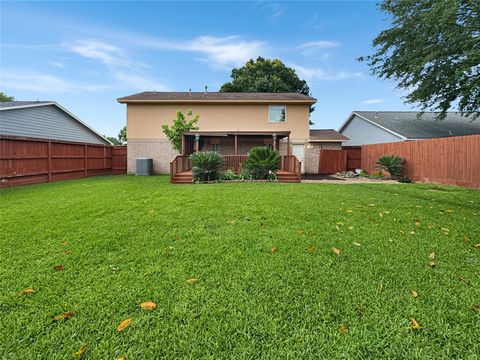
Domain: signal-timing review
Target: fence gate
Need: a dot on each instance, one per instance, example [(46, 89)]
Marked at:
[(332, 161)]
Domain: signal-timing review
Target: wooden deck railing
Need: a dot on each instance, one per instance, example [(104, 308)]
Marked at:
[(234, 162), (292, 164), (180, 163)]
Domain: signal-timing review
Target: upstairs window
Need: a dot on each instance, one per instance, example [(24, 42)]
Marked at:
[(277, 113)]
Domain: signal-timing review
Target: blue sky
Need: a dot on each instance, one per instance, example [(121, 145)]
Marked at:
[(84, 55)]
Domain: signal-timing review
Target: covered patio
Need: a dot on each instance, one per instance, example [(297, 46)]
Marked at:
[(232, 143), (234, 147)]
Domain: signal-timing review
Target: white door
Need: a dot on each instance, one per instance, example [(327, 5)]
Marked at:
[(299, 152)]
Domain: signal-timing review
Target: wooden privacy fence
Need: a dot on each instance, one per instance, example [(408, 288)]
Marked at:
[(29, 161), (452, 160), (333, 161)]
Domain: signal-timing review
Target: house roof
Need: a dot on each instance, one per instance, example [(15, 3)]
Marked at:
[(216, 97), (416, 125), (11, 105), (326, 135)]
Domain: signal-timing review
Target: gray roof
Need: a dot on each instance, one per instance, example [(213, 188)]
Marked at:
[(415, 125), (216, 96), (22, 103), (329, 135)]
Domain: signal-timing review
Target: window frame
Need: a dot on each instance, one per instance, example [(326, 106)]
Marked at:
[(277, 105)]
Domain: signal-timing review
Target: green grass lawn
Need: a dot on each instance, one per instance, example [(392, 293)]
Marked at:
[(130, 240)]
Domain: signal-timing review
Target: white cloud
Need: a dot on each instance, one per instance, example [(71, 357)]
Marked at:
[(317, 48), (373, 101), (20, 80), (316, 73), (107, 54), (222, 51), (139, 82), (57, 64), (321, 44)]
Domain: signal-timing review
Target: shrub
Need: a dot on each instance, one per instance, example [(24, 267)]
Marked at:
[(261, 162), (206, 166), (229, 175), (391, 163)]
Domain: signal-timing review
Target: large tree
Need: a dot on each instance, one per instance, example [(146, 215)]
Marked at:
[(180, 125), (5, 98), (265, 75), (432, 51)]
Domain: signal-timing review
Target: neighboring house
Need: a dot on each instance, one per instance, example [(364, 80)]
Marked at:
[(230, 123), (374, 127), (45, 120)]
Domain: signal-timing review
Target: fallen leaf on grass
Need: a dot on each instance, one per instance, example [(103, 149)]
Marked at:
[(380, 214), (342, 328), (402, 232), (67, 251), (476, 307), (414, 294), (301, 232), (274, 249), (58, 268), (65, 243), (446, 231), (192, 281), (63, 316), (121, 358), (310, 249), (125, 323), (336, 251), (357, 244), (414, 324), (148, 305), (27, 291), (80, 352), (432, 264), (417, 223), (431, 256), (412, 232), (349, 211), (477, 246), (449, 210), (462, 279)]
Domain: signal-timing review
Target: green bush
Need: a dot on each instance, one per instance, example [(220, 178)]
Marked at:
[(229, 175), (206, 166), (391, 163), (262, 162)]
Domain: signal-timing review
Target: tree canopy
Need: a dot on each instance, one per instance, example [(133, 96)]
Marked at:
[(432, 51), (5, 98), (265, 75), (122, 135)]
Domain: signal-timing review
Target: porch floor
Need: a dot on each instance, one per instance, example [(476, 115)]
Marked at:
[(185, 177)]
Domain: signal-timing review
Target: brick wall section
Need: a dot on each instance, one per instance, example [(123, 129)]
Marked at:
[(160, 150), (312, 154)]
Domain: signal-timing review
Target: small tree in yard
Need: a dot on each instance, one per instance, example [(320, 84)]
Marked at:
[(180, 126)]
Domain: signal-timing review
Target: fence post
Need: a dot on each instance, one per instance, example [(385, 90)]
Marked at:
[(49, 161), (85, 161)]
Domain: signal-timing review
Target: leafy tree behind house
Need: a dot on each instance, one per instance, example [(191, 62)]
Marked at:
[(180, 125), (432, 51), (122, 135), (266, 75), (113, 140), (5, 98)]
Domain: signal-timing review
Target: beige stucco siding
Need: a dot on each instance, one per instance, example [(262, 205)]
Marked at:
[(144, 121)]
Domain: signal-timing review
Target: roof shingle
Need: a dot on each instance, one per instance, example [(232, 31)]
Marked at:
[(155, 96), (415, 125), (326, 135)]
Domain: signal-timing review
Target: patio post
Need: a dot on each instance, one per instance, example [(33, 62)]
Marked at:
[(183, 144), (288, 145), (274, 136), (197, 142), (236, 144)]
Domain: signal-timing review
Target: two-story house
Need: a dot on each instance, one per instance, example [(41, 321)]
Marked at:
[(230, 123)]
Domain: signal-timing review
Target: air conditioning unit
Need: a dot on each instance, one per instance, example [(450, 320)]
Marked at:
[(144, 167)]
